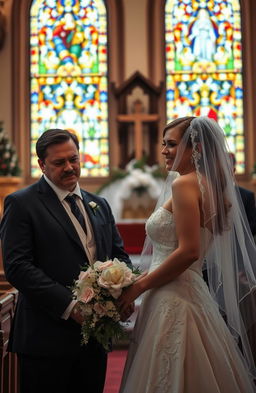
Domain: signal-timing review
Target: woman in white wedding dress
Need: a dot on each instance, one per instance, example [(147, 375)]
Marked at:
[(181, 343)]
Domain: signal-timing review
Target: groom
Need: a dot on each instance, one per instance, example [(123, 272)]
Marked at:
[(45, 244)]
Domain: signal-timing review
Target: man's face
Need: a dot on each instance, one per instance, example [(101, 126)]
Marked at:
[(62, 165)]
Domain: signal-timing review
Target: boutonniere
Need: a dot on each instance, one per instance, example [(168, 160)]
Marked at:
[(94, 206)]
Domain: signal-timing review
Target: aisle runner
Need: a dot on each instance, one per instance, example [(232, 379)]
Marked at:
[(116, 361)]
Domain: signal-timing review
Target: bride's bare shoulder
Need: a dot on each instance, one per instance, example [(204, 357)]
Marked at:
[(186, 188), (188, 180)]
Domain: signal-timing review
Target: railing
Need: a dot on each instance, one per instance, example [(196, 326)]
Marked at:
[(8, 361)]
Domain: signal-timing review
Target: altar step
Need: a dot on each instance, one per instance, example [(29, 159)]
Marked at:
[(133, 235)]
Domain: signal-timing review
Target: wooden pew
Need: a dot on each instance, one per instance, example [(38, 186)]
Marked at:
[(8, 361), (4, 284)]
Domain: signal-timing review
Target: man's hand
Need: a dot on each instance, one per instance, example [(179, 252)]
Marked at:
[(127, 312), (76, 314)]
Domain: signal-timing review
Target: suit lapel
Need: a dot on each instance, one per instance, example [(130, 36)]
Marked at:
[(51, 202)]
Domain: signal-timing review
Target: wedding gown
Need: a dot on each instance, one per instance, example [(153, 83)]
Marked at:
[(180, 343)]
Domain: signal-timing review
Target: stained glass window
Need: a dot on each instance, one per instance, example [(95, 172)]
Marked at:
[(204, 65), (68, 74)]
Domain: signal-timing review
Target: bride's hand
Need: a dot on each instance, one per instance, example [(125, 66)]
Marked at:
[(129, 295), (140, 276), (127, 312)]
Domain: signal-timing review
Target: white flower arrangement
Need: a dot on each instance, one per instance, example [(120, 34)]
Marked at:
[(96, 291), (138, 178), (140, 181), (94, 206)]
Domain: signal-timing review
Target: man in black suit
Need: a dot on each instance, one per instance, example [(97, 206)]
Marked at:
[(248, 200), (44, 246)]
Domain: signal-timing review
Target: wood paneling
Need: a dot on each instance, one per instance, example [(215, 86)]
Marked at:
[(8, 361)]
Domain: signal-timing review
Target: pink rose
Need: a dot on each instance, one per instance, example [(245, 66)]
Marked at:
[(102, 265), (86, 278), (83, 275), (86, 295)]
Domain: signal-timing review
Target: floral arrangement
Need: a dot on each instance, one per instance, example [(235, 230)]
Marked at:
[(8, 158), (138, 176), (96, 290)]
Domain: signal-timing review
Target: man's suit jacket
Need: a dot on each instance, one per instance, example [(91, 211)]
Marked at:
[(248, 199), (42, 256)]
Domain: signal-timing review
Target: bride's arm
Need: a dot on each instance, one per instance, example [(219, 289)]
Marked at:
[(185, 207)]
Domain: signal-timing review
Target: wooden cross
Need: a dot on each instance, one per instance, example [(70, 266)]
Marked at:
[(138, 118)]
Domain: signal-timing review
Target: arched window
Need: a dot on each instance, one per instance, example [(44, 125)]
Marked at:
[(69, 77), (204, 65)]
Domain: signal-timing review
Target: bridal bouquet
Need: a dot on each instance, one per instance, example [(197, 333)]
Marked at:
[(96, 290)]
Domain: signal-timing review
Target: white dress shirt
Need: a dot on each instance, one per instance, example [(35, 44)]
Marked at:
[(87, 240)]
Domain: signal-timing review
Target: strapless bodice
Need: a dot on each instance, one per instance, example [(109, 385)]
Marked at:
[(160, 227)]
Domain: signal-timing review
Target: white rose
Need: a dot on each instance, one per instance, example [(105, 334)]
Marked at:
[(116, 277), (85, 280)]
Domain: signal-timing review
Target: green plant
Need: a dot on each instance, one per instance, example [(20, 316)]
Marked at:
[(253, 172), (9, 165)]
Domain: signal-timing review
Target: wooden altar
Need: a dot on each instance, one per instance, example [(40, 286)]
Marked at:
[(139, 119)]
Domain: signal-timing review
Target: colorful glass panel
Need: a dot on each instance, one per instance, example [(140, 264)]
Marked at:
[(69, 85), (204, 65)]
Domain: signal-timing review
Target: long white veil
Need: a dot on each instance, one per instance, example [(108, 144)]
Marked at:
[(230, 259)]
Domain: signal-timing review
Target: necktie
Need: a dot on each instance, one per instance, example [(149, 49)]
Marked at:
[(71, 199)]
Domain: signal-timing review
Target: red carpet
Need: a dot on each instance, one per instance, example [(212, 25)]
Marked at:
[(116, 361)]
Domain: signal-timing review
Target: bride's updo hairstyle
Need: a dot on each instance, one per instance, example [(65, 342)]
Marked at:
[(182, 123)]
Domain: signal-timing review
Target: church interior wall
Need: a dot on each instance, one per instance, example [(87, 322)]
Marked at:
[(135, 33), (137, 45)]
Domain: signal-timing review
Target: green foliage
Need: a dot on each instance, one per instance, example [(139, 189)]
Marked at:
[(8, 159), (140, 164), (136, 270), (254, 169), (159, 172), (106, 331)]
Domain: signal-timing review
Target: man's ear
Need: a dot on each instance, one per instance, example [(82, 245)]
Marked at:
[(41, 164)]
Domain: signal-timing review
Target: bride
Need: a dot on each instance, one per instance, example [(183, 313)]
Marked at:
[(189, 336)]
